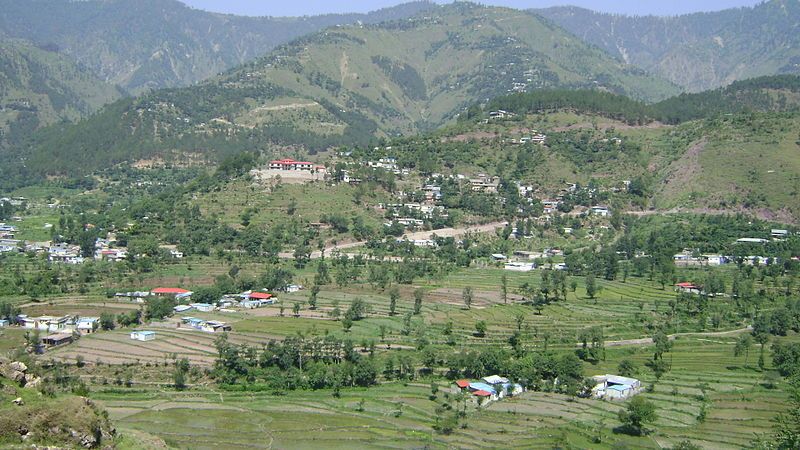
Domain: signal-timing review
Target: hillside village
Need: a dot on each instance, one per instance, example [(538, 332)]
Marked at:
[(429, 226)]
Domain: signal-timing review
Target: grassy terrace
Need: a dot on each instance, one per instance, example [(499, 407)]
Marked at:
[(399, 415)]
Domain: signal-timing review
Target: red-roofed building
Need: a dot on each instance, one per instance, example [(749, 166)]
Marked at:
[(689, 288), (260, 296), (482, 394), (165, 292), (290, 164), (462, 384)]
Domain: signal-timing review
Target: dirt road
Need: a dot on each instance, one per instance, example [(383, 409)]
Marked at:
[(672, 337), (418, 235)]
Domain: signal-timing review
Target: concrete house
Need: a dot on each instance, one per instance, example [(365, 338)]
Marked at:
[(143, 336), (614, 387)]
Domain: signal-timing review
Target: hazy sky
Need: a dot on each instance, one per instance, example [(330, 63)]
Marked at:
[(312, 7)]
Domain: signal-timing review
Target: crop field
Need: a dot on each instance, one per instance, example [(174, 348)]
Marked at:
[(705, 376)]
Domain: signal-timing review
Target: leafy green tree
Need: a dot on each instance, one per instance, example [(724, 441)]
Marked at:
[(480, 328), (743, 345), (179, 375), (763, 340), (638, 413), (466, 296), (504, 288), (312, 298), (419, 295), (108, 321), (159, 307), (394, 295), (627, 368), (296, 309), (591, 286)]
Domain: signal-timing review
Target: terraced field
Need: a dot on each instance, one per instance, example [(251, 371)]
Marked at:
[(398, 415), (116, 347)]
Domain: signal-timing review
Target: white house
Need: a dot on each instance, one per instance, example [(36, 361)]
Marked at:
[(601, 211), (520, 266), (143, 335), (614, 387), (202, 307), (780, 234)]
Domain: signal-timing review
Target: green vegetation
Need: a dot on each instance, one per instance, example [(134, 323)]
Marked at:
[(349, 66), (173, 45), (41, 87), (709, 50)]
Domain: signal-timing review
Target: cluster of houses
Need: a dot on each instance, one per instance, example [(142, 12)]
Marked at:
[(244, 300), (525, 261), (207, 326), (65, 253), (14, 201), (693, 258), (494, 387), (53, 324), (490, 388), (61, 329)]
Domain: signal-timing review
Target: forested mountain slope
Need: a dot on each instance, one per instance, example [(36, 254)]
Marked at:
[(346, 86), (39, 87), (697, 51), (779, 93), (149, 44)]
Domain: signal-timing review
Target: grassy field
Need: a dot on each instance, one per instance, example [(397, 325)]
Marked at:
[(400, 415)]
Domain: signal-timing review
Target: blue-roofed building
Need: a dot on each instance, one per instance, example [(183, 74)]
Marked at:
[(143, 336), (614, 387)]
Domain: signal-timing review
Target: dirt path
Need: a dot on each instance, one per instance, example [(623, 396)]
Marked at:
[(672, 337), (418, 235)]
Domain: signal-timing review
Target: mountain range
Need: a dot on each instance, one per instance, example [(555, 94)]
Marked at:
[(696, 51), (349, 84), (141, 45), (399, 71), (39, 87)]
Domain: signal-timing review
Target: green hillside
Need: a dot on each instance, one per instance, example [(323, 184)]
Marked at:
[(150, 44), (779, 93), (743, 161), (346, 86), (39, 87), (697, 51)]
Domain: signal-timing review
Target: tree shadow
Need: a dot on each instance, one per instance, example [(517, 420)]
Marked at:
[(630, 430)]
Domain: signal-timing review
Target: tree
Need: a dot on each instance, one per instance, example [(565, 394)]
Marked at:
[(480, 328), (347, 323), (591, 286), (159, 307), (312, 299), (661, 344), (787, 427), (296, 309), (357, 310), (209, 295), (520, 319), (627, 368), (742, 347), (418, 297), (638, 413), (763, 340), (394, 295), (107, 321), (466, 295), (504, 288), (179, 376)]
